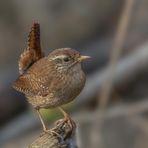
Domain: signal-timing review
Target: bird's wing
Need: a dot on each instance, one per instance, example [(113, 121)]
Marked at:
[(37, 80), (26, 84), (33, 51), (30, 86)]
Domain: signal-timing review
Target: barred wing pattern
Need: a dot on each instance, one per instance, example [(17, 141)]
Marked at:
[(37, 79)]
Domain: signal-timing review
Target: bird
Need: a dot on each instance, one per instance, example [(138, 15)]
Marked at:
[(49, 81)]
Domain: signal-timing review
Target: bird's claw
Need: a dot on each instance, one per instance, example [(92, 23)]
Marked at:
[(52, 132), (69, 122)]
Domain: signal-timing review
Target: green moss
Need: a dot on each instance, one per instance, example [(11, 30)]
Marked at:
[(53, 114)]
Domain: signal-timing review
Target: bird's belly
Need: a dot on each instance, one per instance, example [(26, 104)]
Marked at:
[(48, 101), (65, 93)]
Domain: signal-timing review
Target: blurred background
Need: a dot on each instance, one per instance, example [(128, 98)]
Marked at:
[(112, 110)]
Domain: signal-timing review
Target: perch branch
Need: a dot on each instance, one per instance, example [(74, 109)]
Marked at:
[(65, 137)]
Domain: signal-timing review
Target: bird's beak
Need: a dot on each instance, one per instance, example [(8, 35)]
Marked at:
[(83, 58)]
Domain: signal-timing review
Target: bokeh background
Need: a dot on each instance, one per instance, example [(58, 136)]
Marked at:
[(112, 110)]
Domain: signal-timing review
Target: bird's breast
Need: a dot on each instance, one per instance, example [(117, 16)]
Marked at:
[(65, 89), (73, 84)]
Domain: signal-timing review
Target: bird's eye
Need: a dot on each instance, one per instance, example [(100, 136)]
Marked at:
[(66, 59)]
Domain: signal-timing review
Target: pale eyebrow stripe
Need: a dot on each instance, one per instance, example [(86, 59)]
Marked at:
[(59, 56)]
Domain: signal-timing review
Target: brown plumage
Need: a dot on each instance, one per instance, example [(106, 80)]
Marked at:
[(49, 81), (33, 51)]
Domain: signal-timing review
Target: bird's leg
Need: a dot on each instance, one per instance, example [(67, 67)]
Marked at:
[(42, 122), (68, 119), (45, 129)]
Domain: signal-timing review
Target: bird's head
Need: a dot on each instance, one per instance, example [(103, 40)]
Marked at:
[(66, 58)]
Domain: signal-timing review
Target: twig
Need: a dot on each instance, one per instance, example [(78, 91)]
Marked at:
[(115, 111), (116, 51), (65, 137)]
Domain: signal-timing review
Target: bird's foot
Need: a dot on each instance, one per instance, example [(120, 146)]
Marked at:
[(69, 121), (53, 132)]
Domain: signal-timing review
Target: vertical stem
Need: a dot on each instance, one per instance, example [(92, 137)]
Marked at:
[(116, 51)]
